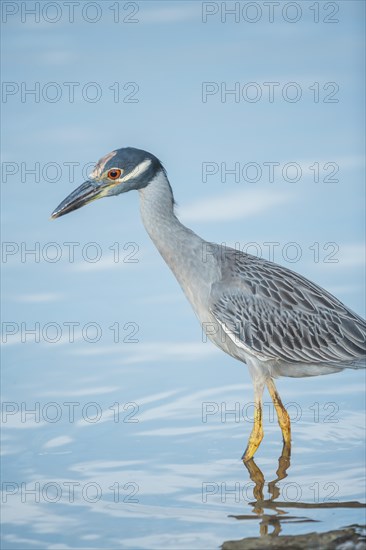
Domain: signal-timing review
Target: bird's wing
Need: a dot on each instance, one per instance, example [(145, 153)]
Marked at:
[(277, 314)]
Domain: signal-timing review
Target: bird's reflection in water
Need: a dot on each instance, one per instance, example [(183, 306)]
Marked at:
[(260, 504), (277, 509)]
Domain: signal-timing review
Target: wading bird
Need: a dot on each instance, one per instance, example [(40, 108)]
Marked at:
[(272, 319)]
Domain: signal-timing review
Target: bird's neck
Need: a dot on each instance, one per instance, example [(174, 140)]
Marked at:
[(184, 251), (169, 235)]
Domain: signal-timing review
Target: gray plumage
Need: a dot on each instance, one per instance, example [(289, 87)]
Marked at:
[(279, 315), (264, 313), (274, 320)]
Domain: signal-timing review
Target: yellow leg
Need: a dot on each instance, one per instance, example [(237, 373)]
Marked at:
[(282, 414), (256, 435)]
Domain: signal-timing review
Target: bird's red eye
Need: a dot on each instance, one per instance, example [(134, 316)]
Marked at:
[(114, 174)]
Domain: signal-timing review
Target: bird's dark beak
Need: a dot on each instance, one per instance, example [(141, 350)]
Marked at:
[(87, 192)]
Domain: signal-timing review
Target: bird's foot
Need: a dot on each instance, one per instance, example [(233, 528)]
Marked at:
[(253, 444)]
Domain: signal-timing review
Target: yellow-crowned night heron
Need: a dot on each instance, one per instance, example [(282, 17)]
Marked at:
[(274, 320)]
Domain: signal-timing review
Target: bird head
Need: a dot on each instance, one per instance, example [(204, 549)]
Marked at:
[(117, 172)]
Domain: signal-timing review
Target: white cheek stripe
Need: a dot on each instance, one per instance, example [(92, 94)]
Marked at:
[(138, 171)]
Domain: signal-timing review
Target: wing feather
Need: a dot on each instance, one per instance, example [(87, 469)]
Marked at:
[(279, 314)]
